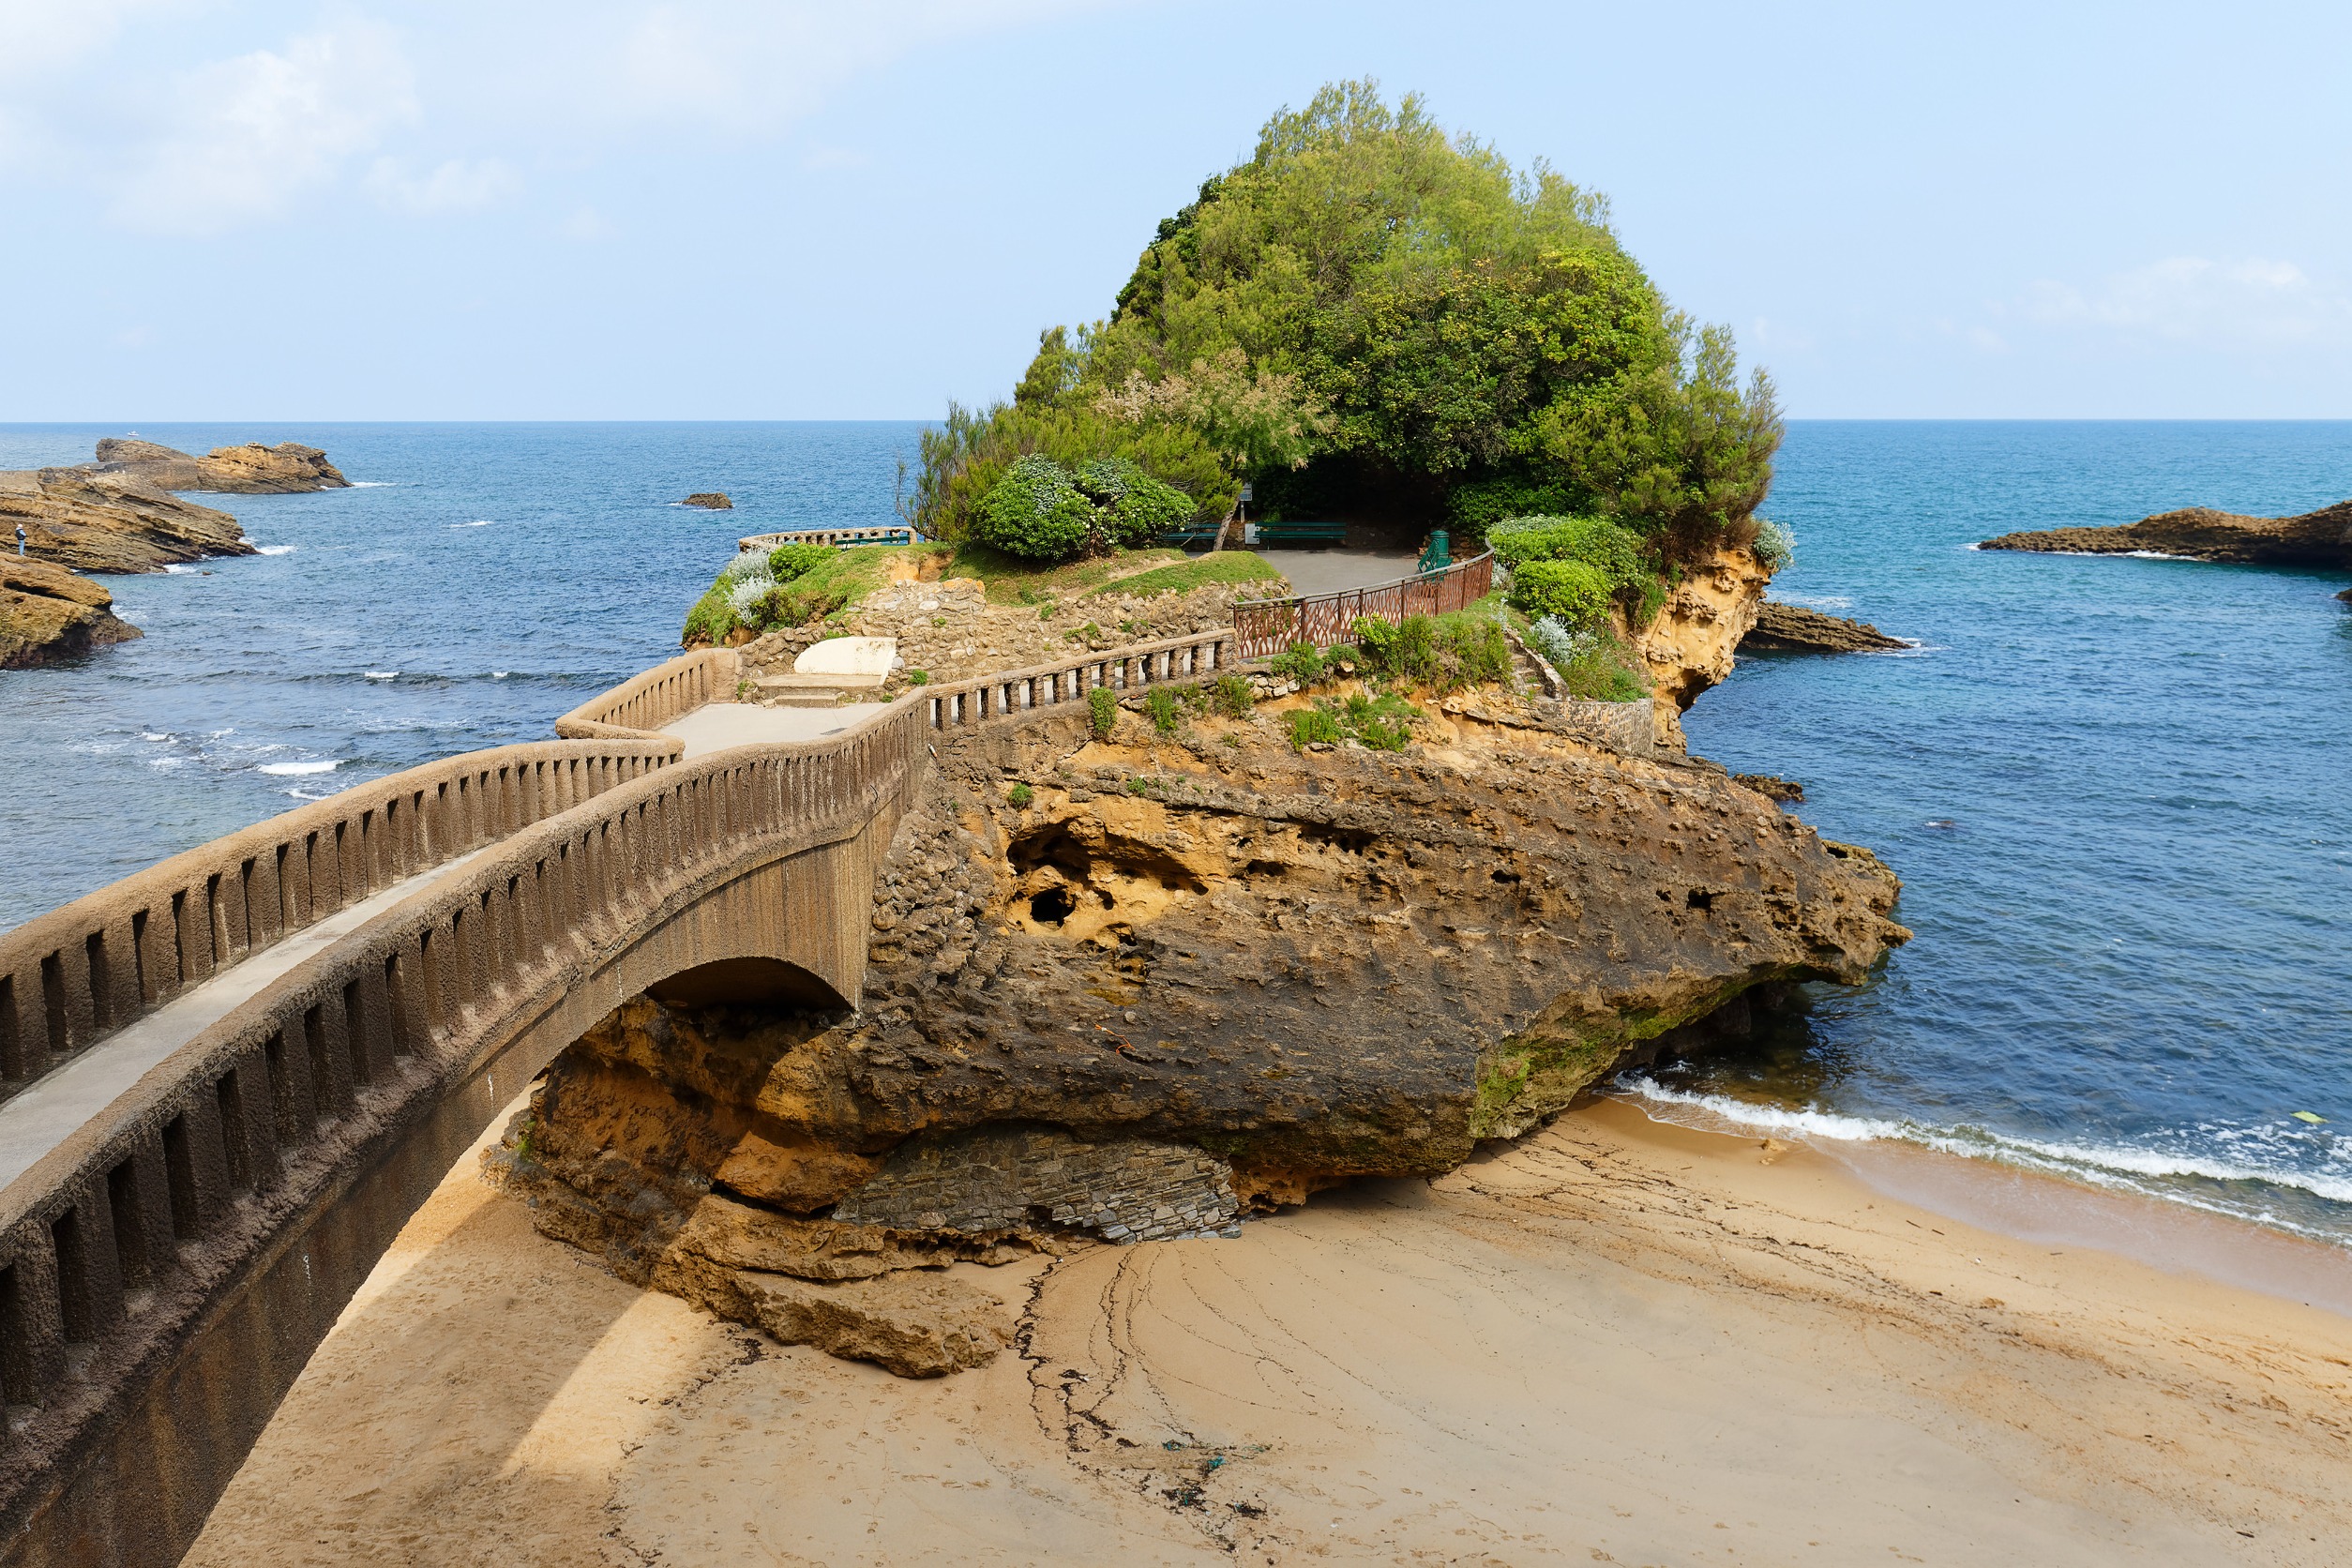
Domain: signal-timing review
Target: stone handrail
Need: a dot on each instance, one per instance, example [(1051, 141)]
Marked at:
[(1267, 626), (77, 973), (975, 701), (640, 705), (839, 539)]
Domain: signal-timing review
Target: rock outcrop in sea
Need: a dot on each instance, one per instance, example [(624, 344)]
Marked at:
[(2320, 538), (99, 521), (1138, 987), (1794, 629), (715, 501), (252, 469), (48, 613)]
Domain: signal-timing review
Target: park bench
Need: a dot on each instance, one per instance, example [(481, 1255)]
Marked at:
[(1301, 536)]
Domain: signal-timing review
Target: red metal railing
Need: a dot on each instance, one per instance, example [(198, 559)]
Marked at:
[(1267, 626)]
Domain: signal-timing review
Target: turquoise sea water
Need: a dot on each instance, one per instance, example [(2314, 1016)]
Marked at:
[(2116, 788)]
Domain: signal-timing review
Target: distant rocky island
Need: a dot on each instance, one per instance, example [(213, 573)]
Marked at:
[(2320, 538), (715, 501), (118, 514)]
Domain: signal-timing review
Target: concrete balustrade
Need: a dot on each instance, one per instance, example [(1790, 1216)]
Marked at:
[(643, 704), (72, 976)]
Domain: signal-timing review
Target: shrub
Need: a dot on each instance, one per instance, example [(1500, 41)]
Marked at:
[(1575, 592), (1303, 663), (1234, 698), (1309, 725), (1036, 510), (1382, 723), (787, 562), (1482, 654), (1406, 651), (1102, 708), (918, 677), (1774, 546), (784, 606), (1161, 705), (1592, 663), (1020, 795), (1136, 508)]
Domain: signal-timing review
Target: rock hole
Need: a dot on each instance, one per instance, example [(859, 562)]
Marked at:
[(1053, 907), (1698, 900)]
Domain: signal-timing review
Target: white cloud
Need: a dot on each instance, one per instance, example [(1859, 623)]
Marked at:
[(587, 224), (244, 137), (40, 36), (455, 185), (2249, 305)]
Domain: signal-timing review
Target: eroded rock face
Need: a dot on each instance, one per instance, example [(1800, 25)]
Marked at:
[(2320, 538), (109, 523), (1794, 629), (1112, 981), (1689, 646), (47, 613), (252, 469)]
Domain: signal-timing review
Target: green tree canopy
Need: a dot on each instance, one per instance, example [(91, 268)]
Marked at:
[(1376, 317)]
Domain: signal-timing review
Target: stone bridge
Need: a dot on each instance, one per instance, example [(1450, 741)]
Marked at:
[(227, 1081)]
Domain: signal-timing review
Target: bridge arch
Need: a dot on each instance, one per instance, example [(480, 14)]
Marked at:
[(167, 1269)]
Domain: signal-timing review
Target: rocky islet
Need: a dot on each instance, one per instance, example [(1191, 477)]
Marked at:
[(2321, 538)]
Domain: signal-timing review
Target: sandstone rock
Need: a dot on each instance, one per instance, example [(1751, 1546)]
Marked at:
[(913, 1325), (110, 522), (47, 613), (1259, 974), (1689, 645), (251, 469), (2320, 538), (715, 501), (1793, 629)]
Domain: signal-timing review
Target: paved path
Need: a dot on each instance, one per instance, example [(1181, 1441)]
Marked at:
[(716, 725), (55, 1109), (1328, 571)]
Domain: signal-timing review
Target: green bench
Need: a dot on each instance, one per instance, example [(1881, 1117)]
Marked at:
[(1301, 536), (1193, 535)]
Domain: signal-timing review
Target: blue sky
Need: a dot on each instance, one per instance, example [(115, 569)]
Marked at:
[(593, 209)]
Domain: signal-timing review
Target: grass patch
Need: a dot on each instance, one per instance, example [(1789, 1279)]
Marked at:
[(1102, 709), (1183, 577)]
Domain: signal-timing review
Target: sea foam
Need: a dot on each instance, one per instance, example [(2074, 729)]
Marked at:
[(290, 769)]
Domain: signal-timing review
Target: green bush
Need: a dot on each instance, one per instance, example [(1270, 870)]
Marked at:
[(1482, 654), (1102, 708), (1303, 663), (1161, 705), (1136, 508), (1309, 725), (1037, 510), (1774, 546), (918, 677), (787, 562), (1020, 795), (1383, 723), (1575, 592), (1406, 651), (787, 606), (1234, 698)]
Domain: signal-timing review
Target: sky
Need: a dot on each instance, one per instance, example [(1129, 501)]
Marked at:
[(713, 209)]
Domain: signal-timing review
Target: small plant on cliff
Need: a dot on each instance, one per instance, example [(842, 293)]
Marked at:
[(1020, 795), (1302, 663), (1592, 664), (1774, 546), (1443, 655), (1383, 723), (1102, 709), (1161, 705), (1234, 698), (1309, 726), (918, 677)]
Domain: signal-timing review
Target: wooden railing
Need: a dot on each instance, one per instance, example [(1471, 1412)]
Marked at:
[(640, 705), (72, 976), (1263, 627)]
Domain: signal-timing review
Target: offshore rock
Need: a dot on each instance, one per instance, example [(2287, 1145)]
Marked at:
[(2320, 538), (47, 614), (95, 522), (252, 469), (1793, 629), (715, 501), (1129, 987)]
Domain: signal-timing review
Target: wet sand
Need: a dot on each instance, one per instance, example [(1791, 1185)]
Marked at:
[(1612, 1342)]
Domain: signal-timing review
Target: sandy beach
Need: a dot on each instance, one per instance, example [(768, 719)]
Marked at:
[(1614, 1341)]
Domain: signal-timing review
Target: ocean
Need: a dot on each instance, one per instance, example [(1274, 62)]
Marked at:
[(2115, 788)]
